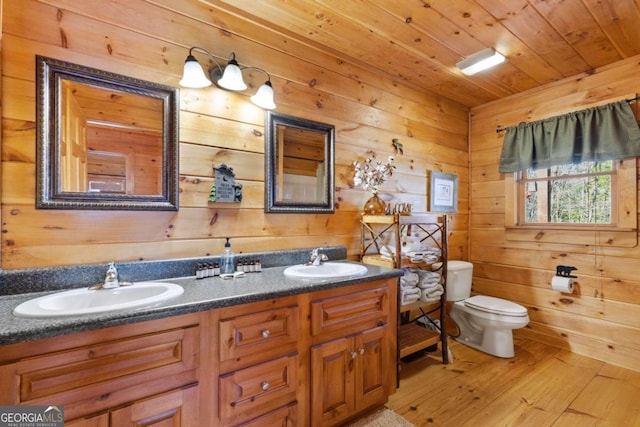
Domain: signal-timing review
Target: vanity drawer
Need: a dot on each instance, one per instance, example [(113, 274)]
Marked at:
[(265, 334), (92, 377), (348, 313), (286, 416), (258, 389)]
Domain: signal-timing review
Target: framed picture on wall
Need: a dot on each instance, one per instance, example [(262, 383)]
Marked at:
[(443, 192)]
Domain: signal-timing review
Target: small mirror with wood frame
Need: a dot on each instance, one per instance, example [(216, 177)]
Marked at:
[(299, 165)]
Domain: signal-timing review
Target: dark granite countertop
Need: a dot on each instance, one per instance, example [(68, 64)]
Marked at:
[(199, 295)]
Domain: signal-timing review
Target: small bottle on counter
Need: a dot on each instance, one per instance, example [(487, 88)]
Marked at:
[(199, 272), (210, 271), (240, 266), (258, 266), (216, 269), (204, 271)]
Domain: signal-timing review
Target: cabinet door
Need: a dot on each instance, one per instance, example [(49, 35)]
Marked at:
[(350, 374), (332, 387), (101, 420), (177, 408), (373, 368)]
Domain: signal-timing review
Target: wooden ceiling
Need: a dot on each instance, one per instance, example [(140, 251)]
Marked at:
[(418, 42)]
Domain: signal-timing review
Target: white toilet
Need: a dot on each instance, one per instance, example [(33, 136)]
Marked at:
[(485, 323)]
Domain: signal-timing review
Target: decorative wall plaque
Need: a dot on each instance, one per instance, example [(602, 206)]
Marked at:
[(225, 189)]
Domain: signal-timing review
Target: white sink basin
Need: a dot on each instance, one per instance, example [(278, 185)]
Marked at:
[(327, 270), (85, 301)]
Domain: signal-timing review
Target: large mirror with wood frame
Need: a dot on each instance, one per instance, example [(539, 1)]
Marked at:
[(299, 165), (104, 141)]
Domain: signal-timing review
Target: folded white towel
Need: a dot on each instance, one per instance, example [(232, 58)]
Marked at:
[(428, 279), (405, 252), (434, 251), (428, 299), (426, 274), (432, 294), (409, 279), (408, 299), (403, 286), (415, 254), (428, 284), (437, 290), (410, 290)]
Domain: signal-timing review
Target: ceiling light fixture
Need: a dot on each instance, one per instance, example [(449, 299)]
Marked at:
[(229, 78), (480, 61)]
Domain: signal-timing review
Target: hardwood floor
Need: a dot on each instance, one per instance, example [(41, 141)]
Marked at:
[(541, 386)]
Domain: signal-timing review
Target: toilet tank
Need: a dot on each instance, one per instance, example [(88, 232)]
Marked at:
[(459, 277)]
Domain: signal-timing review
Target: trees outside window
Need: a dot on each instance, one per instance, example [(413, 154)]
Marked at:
[(591, 195), (569, 194)]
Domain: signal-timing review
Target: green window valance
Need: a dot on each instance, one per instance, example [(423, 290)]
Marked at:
[(607, 132)]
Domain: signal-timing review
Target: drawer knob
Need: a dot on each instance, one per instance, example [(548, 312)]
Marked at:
[(265, 333), (354, 354), (361, 351), (264, 386)]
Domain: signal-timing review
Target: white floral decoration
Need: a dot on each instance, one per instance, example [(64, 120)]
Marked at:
[(372, 173)]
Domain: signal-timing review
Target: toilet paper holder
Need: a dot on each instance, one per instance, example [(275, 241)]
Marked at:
[(565, 271)]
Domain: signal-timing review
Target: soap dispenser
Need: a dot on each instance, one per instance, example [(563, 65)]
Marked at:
[(226, 260)]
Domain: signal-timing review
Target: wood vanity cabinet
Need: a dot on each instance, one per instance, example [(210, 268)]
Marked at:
[(353, 353), (313, 359), (145, 371), (317, 358)]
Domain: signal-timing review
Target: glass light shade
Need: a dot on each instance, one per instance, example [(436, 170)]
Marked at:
[(193, 75), (264, 97), (232, 77), (480, 61)]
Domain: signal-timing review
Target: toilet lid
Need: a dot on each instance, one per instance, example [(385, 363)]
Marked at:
[(495, 306)]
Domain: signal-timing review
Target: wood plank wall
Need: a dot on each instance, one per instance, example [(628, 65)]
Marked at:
[(150, 40), (602, 318)]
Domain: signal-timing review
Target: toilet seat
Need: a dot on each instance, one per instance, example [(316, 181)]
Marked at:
[(495, 306)]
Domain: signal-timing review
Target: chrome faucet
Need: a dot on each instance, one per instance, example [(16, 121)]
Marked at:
[(111, 278), (317, 258)]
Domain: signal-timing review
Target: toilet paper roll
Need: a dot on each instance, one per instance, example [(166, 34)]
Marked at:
[(562, 284)]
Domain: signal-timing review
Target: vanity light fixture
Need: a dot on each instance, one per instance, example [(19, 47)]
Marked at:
[(480, 61), (229, 78)]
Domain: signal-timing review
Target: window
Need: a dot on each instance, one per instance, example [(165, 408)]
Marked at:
[(591, 203), (569, 194), (548, 205)]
